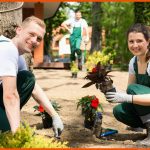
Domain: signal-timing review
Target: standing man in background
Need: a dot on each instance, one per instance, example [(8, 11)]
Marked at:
[(78, 28)]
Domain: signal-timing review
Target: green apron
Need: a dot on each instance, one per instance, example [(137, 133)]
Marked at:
[(132, 114), (75, 42)]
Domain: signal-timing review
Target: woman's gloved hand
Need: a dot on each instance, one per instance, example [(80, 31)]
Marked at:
[(57, 125), (114, 97)]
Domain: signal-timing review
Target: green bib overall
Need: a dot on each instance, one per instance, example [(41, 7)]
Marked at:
[(131, 114), (75, 42)]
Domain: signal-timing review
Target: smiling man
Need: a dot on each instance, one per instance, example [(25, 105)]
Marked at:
[(16, 83)]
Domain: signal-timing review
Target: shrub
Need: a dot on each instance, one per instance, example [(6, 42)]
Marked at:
[(25, 137), (97, 56), (74, 67)]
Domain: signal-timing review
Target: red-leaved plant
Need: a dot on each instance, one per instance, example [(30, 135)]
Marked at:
[(99, 76)]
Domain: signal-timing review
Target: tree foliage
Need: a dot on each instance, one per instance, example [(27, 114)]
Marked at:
[(112, 17), (52, 23), (142, 12), (85, 8), (116, 19)]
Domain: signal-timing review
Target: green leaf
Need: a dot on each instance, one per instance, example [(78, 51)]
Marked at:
[(100, 106)]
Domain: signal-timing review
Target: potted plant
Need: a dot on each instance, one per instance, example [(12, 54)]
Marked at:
[(74, 69), (99, 76), (46, 118), (90, 106)]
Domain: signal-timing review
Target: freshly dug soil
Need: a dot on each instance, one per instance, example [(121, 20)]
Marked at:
[(59, 86)]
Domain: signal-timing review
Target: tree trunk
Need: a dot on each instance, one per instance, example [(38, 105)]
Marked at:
[(10, 17), (96, 27)]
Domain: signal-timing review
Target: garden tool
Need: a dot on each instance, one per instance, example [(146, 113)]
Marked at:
[(108, 132), (84, 57)]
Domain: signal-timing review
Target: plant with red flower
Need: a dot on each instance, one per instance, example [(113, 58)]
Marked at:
[(90, 105), (41, 110), (46, 118), (99, 76), (94, 103), (94, 69)]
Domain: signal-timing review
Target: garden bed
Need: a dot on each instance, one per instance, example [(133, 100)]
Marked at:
[(59, 86)]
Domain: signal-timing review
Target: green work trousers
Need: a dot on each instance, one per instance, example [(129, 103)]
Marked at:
[(129, 113), (25, 85)]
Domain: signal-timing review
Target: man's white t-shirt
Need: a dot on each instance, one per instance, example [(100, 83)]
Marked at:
[(77, 23), (131, 66), (8, 58), (22, 63)]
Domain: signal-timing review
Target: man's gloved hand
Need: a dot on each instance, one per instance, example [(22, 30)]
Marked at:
[(86, 39), (57, 125), (114, 97), (70, 31)]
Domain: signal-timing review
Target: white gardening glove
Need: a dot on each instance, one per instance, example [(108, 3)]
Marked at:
[(86, 39), (57, 125), (70, 31), (114, 97)]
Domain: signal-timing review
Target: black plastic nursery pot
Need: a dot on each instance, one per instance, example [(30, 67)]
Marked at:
[(47, 121), (88, 124), (74, 75)]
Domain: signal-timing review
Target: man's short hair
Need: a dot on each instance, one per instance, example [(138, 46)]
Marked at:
[(33, 19), (77, 10)]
